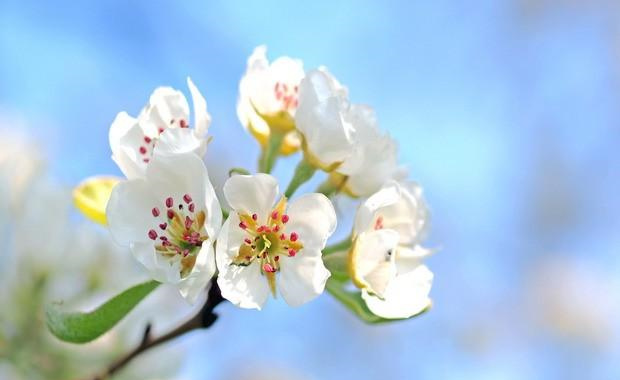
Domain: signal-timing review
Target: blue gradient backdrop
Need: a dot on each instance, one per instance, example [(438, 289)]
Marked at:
[(507, 112)]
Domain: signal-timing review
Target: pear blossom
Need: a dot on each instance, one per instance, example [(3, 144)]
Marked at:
[(374, 160), (385, 259), (169, 219), (268, 97), (164, 125), (266, 243), (322, 118)]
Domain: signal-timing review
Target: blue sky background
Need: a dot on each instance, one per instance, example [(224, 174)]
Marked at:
[(506, 112)]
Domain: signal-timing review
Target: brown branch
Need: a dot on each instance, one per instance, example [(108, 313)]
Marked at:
[(201, 320)]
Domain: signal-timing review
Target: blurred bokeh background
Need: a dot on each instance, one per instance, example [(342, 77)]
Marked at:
[(507, 112)]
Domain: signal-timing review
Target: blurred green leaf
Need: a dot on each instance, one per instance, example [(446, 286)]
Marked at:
[(76, 327), (354, 302)]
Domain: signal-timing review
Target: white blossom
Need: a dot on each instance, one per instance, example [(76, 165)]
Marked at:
[(163, 125), (385, 260), (268, 97), (266, 243), (169, 219)]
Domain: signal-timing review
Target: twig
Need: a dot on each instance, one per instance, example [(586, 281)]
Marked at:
[(202, 320)]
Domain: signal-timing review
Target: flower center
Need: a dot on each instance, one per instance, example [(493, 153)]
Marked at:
[(266, 243), (181, 231), (148, 143), (286, 95)]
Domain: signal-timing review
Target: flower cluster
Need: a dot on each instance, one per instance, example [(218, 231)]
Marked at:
[(271, 242)]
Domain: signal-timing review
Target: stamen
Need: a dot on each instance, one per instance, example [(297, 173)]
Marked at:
[(170, 214), (282, 237), (254, 217), (152, 234), (292, 252), (188, 222), (284, 218), (142, 150), (187, 198), (277, 258), (163, 225), (192, 207), (147, 139), (294, 236), (274, 215), (379, 223), (160, 130), (243, 226), (268, 268), (155, 211), (183, 123), (169, 202), (248, 241)]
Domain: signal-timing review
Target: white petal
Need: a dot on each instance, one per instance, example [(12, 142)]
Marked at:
[(160, 269), (303, 277), (119, 128), (374, 259), (284, 71), (365, 218), (251, 193), (196, 282), (320, 117), (248, 116), (407, 295), (185, 173), (258, 59), (375, 155), (126, 137), (256, 66), (181, 140), (313, 218), (407, 259), (245, 287), (129, 211), (202, 119), (170, 104), (409, 216)]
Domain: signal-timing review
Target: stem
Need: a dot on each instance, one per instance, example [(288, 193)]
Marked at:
[(270, 151), (333, 185), (202, 320), (340, 246), (303, 172)]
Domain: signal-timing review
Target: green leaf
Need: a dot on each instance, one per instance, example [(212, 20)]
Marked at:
[(78, 327), (354, 302)]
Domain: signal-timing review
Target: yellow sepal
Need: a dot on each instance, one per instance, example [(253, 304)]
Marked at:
[(290, 144)]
